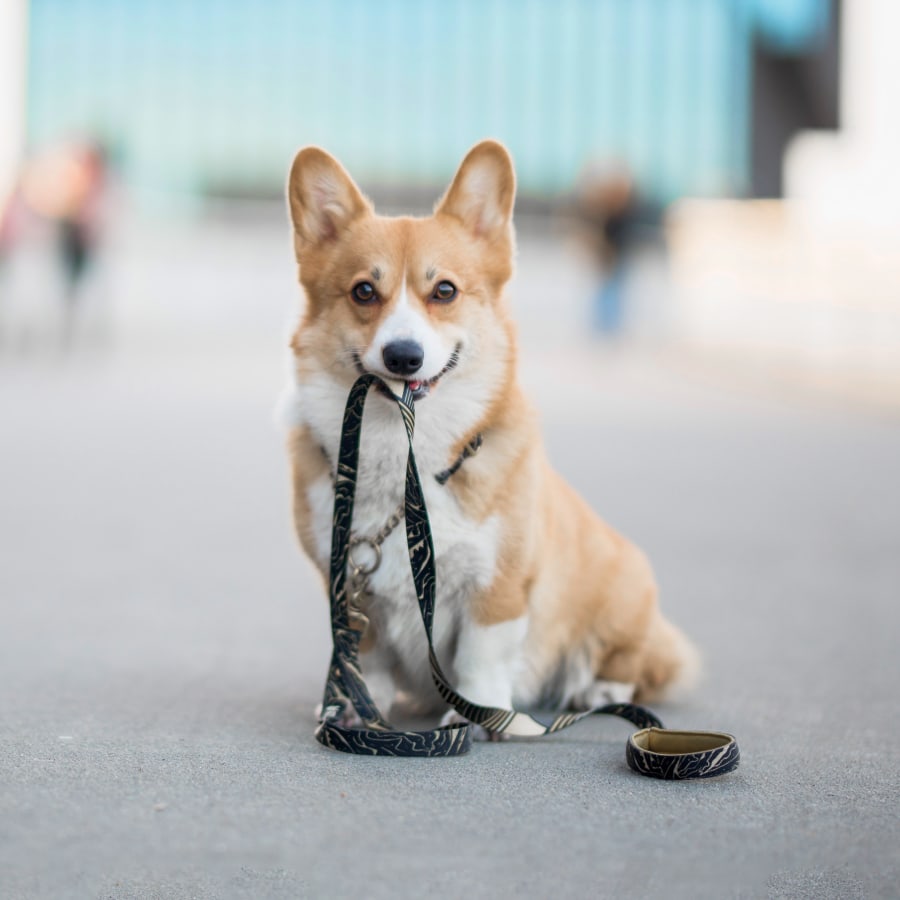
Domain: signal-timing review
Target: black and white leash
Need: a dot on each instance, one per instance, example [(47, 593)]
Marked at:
[(345, 686)]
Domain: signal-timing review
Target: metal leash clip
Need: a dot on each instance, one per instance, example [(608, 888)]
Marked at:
[(359, 581)]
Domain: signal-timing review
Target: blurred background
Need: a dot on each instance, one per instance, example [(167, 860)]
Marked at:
[(709, 175), (708, 294)]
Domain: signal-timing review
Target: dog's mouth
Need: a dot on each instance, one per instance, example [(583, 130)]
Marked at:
[(420, 388)]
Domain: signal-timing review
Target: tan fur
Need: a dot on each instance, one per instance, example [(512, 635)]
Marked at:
[(307, 462), (584, 586)]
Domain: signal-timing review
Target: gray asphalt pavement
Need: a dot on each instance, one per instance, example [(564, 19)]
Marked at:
[(163, 642)]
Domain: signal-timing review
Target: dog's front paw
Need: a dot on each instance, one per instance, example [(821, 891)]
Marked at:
[(347, 719), (479, 733)]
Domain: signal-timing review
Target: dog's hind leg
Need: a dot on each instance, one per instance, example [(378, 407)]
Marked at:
[(663, 665), (601, 692)]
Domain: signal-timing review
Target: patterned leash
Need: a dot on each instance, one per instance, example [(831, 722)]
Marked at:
[(345, 685)]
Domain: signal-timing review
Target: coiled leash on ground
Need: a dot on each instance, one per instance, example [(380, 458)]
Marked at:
[(652, 751)]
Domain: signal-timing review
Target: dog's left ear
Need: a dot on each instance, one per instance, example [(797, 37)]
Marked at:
[(482, 192)]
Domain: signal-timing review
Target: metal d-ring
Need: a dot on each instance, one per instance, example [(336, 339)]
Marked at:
[(363, 569)]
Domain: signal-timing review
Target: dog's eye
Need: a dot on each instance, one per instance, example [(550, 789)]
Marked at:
[(444, 292), (364, 292)]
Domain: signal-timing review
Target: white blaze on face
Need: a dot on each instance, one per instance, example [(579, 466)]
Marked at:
[(406, 323)]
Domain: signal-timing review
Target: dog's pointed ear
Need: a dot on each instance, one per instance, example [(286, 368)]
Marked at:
[(483, 190), (323, 198)]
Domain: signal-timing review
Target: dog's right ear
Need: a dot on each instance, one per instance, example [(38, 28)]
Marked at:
[(323, 198)]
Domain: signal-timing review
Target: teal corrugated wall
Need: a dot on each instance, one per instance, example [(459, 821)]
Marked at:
[(221, 92)]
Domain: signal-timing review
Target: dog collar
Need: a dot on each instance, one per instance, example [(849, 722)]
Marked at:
[(445, 475), (469, 450)]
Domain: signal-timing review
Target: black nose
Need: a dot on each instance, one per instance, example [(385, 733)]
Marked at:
[(403, 357)]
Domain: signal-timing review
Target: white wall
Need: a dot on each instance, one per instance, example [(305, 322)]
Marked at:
[(849, 178)]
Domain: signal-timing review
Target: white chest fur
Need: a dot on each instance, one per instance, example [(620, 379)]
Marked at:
[(465, 550)]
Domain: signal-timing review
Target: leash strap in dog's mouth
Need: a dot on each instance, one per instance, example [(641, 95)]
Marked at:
[(345, 688)]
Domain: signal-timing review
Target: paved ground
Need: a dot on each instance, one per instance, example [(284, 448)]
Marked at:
[(162, 643)]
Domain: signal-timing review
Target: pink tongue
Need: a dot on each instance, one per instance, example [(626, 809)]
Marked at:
[(415, 385)]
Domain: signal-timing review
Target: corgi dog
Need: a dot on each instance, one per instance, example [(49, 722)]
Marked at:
[(539, 602)]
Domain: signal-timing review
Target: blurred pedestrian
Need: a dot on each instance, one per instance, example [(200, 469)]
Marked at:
[(62, 190), (606, 206), (78, 175)]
